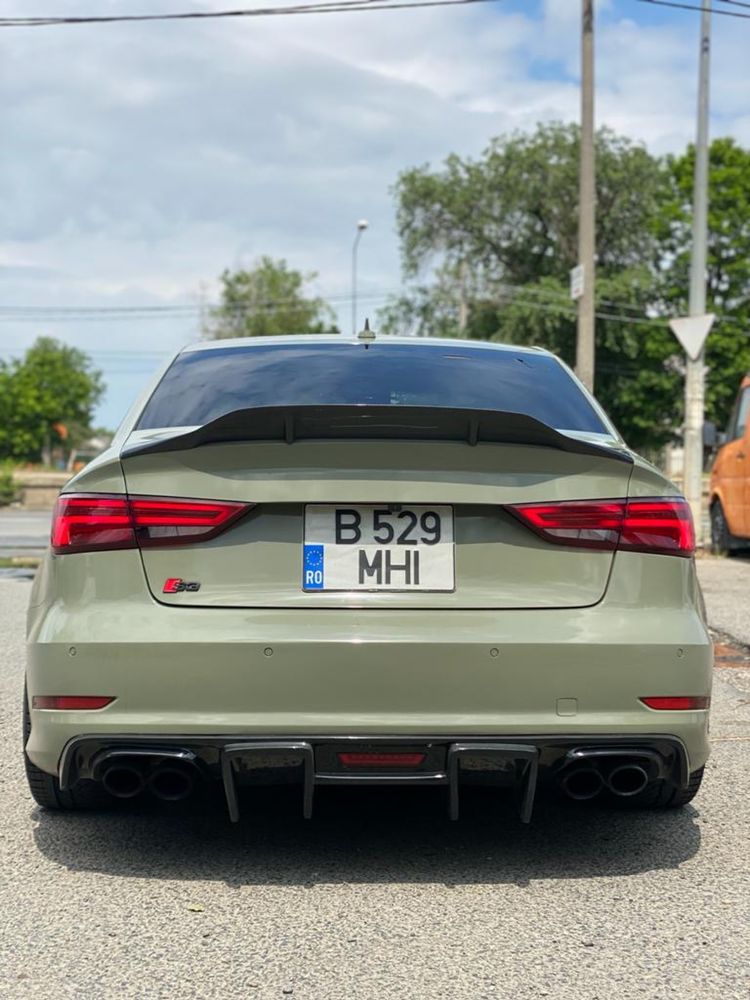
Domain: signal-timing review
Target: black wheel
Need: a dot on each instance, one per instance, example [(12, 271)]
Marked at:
[(45, 788), (723, 542), (663, 795)]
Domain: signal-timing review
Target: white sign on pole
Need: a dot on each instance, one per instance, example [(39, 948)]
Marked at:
[(691, 331), (576, 282)]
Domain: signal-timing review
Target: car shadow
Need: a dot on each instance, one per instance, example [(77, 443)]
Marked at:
[(377, 835)]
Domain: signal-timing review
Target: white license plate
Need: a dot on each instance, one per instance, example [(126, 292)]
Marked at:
[(378, 547)]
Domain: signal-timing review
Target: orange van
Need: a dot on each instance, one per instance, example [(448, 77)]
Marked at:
[(729, 491)]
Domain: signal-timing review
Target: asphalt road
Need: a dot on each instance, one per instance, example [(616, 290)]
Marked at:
[(23, 531), (379, 896), (726, 589)]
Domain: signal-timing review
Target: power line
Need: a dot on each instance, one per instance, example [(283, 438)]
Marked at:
[(517, 294), (540, 298), (700, 10), (63, 314), (182, 306), (188, 309), (528, 297), (332, 7), (54, 20), (555, 295), (569, 310)]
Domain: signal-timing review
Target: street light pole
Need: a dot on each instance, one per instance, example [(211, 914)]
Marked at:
[(586, 202), (361, 226), (695, 369)]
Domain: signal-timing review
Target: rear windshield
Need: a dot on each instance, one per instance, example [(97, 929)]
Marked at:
[(203, 385)]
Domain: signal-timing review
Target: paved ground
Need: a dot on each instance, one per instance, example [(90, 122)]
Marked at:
[(23, 531), (379, 896), (726, 588)]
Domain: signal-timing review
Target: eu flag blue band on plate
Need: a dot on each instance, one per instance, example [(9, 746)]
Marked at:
[(313, 567)]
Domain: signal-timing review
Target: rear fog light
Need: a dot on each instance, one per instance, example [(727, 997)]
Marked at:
[(71, 702), (677, 703), (364, 759)]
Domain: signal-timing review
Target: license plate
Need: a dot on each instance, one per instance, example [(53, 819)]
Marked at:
[(378, 547)]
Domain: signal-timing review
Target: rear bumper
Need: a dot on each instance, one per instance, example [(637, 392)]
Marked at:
[(230, 674), (308, 686)]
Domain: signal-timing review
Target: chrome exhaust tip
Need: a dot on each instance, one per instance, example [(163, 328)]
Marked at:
[(581, 783), (627, 780), (170, 782), (123, 781)]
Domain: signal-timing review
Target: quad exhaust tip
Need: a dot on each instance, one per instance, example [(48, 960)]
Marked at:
[(586, 781), (170, 782), (582, 783), (627, 780), (123, 781)]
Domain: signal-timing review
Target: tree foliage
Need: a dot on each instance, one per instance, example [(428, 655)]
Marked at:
[(46, 398), (513, 214), (267, 301), (500, 233), (728, 260)]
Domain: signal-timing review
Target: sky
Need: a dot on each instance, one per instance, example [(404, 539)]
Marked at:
[(139, 161)]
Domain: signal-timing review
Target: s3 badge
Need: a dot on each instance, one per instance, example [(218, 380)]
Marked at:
[(175, 585)]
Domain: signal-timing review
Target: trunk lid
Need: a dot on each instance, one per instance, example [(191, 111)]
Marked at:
[(415, 460)]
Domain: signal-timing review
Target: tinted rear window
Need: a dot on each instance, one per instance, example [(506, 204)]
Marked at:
[(203, 385)]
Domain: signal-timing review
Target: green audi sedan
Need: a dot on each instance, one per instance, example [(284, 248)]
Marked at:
[(330, 561)]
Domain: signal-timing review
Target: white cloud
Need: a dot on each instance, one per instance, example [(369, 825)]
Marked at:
[(140, 161)]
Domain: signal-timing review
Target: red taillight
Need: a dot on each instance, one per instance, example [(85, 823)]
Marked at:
[(88, 523), (179, 522), (659, 525), (677, 703), (71, 702), (91, 522), (588, 524), (366, 759)]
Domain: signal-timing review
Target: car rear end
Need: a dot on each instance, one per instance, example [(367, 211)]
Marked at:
[(335, 562)]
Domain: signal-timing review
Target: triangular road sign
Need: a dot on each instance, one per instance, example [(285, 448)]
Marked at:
[(691, 331)]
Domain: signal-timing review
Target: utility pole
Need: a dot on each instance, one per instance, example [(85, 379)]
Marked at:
[(586, 202), (695, 369), (361, 226), (463, 302)]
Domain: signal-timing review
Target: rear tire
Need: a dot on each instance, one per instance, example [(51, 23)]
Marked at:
[(663, 794), (723, 542), (45, 788)]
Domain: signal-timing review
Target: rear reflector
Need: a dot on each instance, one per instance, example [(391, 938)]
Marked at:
[(381, 759), (677, 703), (96, 522), (661, 525), (71, 702)]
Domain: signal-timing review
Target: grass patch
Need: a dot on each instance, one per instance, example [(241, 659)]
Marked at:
[(19, 562)]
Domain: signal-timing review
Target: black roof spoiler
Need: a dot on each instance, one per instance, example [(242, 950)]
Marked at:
[(405, 423)]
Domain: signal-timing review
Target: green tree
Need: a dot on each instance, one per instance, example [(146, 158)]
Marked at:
[(728, 259), (266, 301), (500, 233), (513, 213), (46, 398)]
